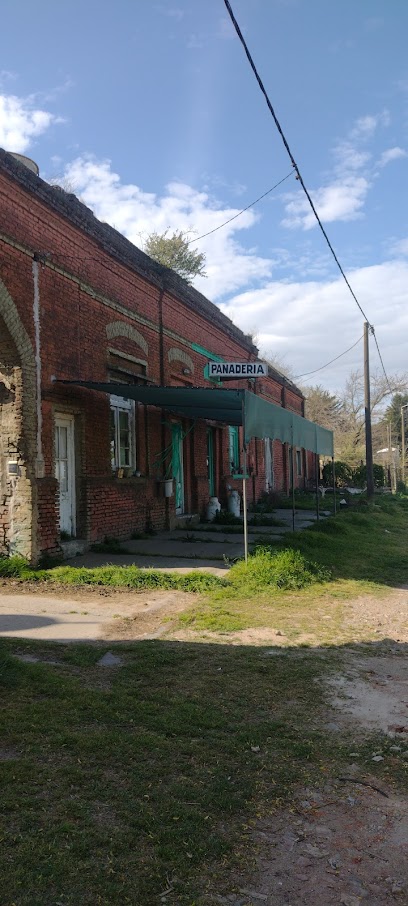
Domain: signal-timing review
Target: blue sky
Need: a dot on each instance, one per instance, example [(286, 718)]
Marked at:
[(149, 111)]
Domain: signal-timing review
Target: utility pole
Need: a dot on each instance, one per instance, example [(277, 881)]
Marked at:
[(403, 441), (367, 404)]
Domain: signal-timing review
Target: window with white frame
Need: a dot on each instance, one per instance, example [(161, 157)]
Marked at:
[(122, 433)]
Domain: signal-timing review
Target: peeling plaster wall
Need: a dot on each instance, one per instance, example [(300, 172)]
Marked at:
[(18, 427)]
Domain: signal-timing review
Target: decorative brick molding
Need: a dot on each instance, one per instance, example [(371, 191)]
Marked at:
[(178, 355), (18, 433), (120, 329)]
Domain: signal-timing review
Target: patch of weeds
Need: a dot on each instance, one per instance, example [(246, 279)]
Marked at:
[(264, 519), (330, 527), (47, 561), (110, 575), (265, 541), (286, 569), (223, 517), (217, 618), (109, 546), (14, 568)]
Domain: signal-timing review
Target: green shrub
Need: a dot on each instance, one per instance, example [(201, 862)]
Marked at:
[(360, 475), (14, 568), (344, 474), (284, 569)]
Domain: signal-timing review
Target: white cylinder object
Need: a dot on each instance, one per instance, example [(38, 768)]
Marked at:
[(234, 503), (168, 487), (213, 507)]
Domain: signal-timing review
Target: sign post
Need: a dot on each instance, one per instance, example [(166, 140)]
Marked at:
[(244, 506)]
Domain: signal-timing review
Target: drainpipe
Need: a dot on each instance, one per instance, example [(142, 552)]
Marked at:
[(284, 448), (161, 373), (39, 466)]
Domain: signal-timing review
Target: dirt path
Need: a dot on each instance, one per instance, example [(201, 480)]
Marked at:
[(84, 615), (346, 841)]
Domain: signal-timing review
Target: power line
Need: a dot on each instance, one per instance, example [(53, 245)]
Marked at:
[(381, 360), (197, 238), (292, 159), (306, 373)]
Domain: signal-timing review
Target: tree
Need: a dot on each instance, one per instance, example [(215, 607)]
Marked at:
[(174, 252), (324, 408), (345, 415), (351, 441), (392, 415)]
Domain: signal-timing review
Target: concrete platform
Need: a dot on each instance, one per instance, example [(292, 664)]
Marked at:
[(194, 548), (159, 559)]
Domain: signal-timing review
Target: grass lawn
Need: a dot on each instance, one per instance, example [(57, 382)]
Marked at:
[(124, 784), (121, 784), (364, 551)]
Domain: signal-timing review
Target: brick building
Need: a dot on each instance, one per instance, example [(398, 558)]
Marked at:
[(79, 302)]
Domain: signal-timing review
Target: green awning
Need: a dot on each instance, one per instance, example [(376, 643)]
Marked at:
[(258, 416)]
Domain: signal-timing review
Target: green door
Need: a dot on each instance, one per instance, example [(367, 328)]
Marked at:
[(177, 465), (210, 462)]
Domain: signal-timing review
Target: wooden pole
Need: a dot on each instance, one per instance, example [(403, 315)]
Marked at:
[(317, 488), (334, 485), (244, 504), (367, 405)]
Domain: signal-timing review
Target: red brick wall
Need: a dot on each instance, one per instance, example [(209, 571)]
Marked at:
[(77, 305)]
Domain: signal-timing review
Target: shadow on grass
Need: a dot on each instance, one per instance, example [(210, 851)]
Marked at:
[(122, 783)]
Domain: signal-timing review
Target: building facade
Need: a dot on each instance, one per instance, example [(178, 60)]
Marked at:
[(79, 302)]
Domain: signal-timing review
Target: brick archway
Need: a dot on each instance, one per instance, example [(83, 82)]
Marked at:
[(18, 501)]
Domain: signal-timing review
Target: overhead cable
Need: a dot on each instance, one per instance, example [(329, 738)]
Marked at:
[(196, 239), (381, 360), (306, 373), (292, 159)]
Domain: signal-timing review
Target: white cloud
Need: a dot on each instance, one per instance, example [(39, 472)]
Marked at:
[(344, 196), (305, 319), (391, 154), (365, 126), (136, 213), (311, 322), (20, 122), (400, 247), (342, 200), (174, 12)]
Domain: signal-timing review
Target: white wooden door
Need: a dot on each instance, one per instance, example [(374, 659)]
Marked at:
[(65, 472)]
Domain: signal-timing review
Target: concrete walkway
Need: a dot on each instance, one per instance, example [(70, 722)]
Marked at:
[(196, 548)]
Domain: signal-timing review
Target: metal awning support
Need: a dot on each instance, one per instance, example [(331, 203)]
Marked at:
[(292, 479), (244, 489)]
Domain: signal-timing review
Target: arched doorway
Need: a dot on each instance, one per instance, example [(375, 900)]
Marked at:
[(18, 511)]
